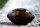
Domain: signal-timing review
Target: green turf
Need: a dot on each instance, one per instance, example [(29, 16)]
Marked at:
[(2, 3)]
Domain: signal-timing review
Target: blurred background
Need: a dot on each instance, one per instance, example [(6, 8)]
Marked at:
[(7, 5)]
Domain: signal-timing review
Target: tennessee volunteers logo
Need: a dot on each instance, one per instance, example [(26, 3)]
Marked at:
[(17, 12)]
